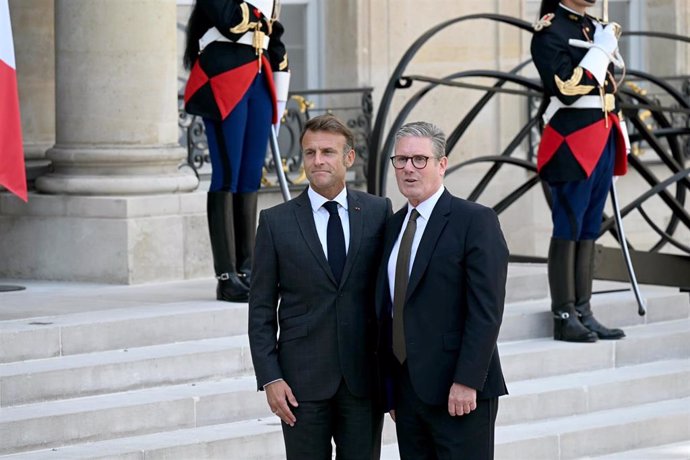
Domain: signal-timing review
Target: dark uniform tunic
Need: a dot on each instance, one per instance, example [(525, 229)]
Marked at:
[(581, 148), (231, 86)]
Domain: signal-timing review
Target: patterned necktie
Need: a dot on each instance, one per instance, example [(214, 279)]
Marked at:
[(335, 240), (401, 278)]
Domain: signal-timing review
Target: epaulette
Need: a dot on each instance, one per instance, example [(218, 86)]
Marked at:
[(544, 22)]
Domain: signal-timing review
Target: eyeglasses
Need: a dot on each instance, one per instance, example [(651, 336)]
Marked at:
[(418, 161)]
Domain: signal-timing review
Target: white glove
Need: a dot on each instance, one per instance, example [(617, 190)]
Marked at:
[(282, 84), (605, 38), (280, 107), (601, 52)]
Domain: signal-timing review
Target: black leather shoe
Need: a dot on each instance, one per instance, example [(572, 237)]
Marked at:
[(568, 328), (231, 289), (590, 322), (246, 277)]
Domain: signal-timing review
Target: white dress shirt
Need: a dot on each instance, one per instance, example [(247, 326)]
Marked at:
[(321, 216), (424, 209)]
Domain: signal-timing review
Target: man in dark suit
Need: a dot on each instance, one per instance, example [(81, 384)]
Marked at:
[(440, 295), (312, 322)]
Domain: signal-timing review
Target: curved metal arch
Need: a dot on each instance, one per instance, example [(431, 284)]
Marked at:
[(637, 204), (674, 162), (491, 173), (678, 97), (377, 132), (668, 238), (502, 78), (662, 35), (665, 128), (519, 191)]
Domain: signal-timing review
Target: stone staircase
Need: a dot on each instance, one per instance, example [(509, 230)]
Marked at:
[(147, 380)]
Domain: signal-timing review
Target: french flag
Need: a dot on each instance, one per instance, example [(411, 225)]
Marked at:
[(12, 172)]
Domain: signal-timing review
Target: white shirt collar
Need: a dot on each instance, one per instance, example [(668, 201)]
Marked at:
[(569, 10), (426, 207), (317, 201)]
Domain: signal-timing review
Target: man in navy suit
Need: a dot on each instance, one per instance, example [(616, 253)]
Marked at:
[(440, 295), (312, 320)]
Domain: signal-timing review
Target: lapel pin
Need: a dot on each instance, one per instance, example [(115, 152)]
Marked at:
[(357, 208)]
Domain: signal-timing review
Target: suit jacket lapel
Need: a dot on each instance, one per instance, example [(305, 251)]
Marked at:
[(305, 220), (437, 221), (355, 212)]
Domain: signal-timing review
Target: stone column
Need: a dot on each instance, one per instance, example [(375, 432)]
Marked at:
[(116, 104), (33, 31), (112, 209)]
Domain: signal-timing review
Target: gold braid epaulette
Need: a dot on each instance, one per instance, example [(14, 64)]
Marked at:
[(544, 22), (243, 26), (572, 86)]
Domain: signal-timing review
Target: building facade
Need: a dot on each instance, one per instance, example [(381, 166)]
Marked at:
[(98, 83)]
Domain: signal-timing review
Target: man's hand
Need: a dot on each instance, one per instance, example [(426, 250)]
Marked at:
[(461, 400), (279, 395)]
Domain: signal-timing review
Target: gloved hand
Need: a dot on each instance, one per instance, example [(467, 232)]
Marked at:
[(605, 37)]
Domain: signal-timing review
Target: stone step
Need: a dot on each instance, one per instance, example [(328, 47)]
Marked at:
[(121, 370), (585, 392), (139, 323), (94, 418), (537, 358), (573, 394), (530, 319), (115, 415), (526, 282), (144, 325), (557, 438), (675, 451), (258, 439), (597, 433), (139, 326)]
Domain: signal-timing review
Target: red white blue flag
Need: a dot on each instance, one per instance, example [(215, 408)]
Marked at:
[(12, 172)]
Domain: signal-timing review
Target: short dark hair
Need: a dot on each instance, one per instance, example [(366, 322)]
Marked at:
[(330, 124), (547, 6)]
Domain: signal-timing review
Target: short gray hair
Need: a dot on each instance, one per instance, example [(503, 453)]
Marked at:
[(427, 130)]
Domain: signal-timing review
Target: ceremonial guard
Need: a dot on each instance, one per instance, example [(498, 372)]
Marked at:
[(584, 144), (238, 84)]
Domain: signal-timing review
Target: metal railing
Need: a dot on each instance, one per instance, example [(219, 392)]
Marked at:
[(352, 105)]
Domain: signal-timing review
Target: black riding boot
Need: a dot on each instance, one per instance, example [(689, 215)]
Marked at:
[(222, 233), (566, 324), (245, 232), (584, 272)]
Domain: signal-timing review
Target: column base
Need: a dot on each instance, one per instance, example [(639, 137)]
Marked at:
[(118, 239), (116, 170)]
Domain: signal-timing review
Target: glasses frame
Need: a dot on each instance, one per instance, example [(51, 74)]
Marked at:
[(412, 159)]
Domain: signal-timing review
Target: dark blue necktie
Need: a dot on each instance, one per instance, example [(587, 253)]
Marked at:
[(335, 240)]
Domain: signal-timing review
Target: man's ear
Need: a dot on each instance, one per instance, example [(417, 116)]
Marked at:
[(350, 158), (443, 163)]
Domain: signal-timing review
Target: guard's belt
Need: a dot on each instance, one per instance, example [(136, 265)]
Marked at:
[(584, 102), (213, 35)]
